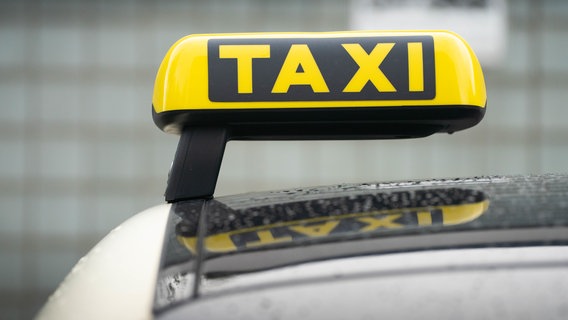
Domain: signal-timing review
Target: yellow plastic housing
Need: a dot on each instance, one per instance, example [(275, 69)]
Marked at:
[(182, 82), (331, 85)]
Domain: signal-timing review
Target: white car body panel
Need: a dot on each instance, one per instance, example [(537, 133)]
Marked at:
[(117, 278)]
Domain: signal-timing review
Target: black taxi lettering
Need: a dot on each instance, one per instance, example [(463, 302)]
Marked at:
[(321, 69)]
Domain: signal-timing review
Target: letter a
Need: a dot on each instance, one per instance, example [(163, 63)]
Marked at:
[(299, 56)]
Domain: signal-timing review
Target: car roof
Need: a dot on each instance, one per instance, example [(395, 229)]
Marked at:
[(231, 235)]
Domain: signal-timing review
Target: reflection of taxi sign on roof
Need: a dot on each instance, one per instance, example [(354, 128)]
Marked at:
[(326, 218), (342, 85)]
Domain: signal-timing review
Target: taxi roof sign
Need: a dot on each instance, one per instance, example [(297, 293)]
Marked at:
[(336, 85), (428, 80)]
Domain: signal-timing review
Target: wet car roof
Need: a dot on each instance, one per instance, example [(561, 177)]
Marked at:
[(232, 235)]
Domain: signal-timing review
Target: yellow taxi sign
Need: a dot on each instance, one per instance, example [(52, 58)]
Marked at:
[(416, 78)]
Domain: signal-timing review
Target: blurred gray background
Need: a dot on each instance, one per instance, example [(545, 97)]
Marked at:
[(79, 152)]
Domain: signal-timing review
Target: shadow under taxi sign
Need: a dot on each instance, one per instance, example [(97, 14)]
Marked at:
[(319, 69)]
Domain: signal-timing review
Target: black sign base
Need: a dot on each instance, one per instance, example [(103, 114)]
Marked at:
[(196, 164)]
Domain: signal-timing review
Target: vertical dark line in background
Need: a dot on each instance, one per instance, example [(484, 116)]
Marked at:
[(143, 18), (33, 18), (97, 148), (534, 91), (88, 13)]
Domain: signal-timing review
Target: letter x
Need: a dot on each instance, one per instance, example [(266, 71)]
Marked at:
[(382, 222), (369, 67)]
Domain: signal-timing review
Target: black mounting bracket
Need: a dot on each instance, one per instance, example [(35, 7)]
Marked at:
[(197, 163)]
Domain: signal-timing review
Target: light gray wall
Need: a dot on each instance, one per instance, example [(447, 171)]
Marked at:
[(80, 154)]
